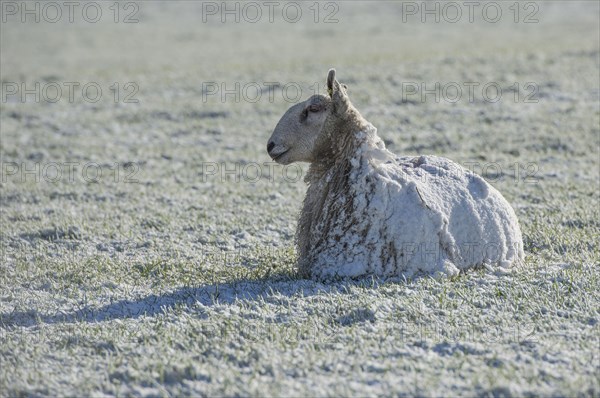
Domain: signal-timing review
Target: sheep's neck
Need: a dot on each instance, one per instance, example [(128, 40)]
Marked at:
[(328, 178), (343, 139)]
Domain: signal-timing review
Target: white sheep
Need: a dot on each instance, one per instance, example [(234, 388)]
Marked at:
[(369, 212)]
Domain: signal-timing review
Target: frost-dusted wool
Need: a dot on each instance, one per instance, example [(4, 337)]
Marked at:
[(368, 211), (402, 216)]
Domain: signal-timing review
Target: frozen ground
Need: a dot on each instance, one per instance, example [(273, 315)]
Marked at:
[(163, 276)]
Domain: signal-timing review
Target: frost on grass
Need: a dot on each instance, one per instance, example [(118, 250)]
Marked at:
[(181, 285)]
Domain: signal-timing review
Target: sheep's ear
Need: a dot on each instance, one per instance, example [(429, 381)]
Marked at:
[(337, 92), (330, 81)]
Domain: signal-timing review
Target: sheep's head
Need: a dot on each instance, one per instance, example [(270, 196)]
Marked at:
[(307, 123)]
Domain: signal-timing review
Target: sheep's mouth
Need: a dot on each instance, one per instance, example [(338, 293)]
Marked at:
[(278, 156)]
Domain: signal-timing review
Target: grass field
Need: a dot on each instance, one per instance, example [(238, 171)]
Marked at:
[(147, 239)]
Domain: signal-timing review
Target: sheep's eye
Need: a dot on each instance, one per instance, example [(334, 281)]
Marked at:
[(314, 108)]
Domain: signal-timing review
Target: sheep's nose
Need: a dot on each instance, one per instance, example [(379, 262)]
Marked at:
[(270, 146)]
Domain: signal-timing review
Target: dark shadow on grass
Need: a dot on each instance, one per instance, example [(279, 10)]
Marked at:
[(270, 290)]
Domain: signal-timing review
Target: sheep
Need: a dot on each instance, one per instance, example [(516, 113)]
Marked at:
[(370, 212)]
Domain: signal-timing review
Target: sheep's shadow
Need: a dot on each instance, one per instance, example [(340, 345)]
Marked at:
[(192, 297)]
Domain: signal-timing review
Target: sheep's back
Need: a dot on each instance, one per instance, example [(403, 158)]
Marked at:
[(399, 216), (480, 222)]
